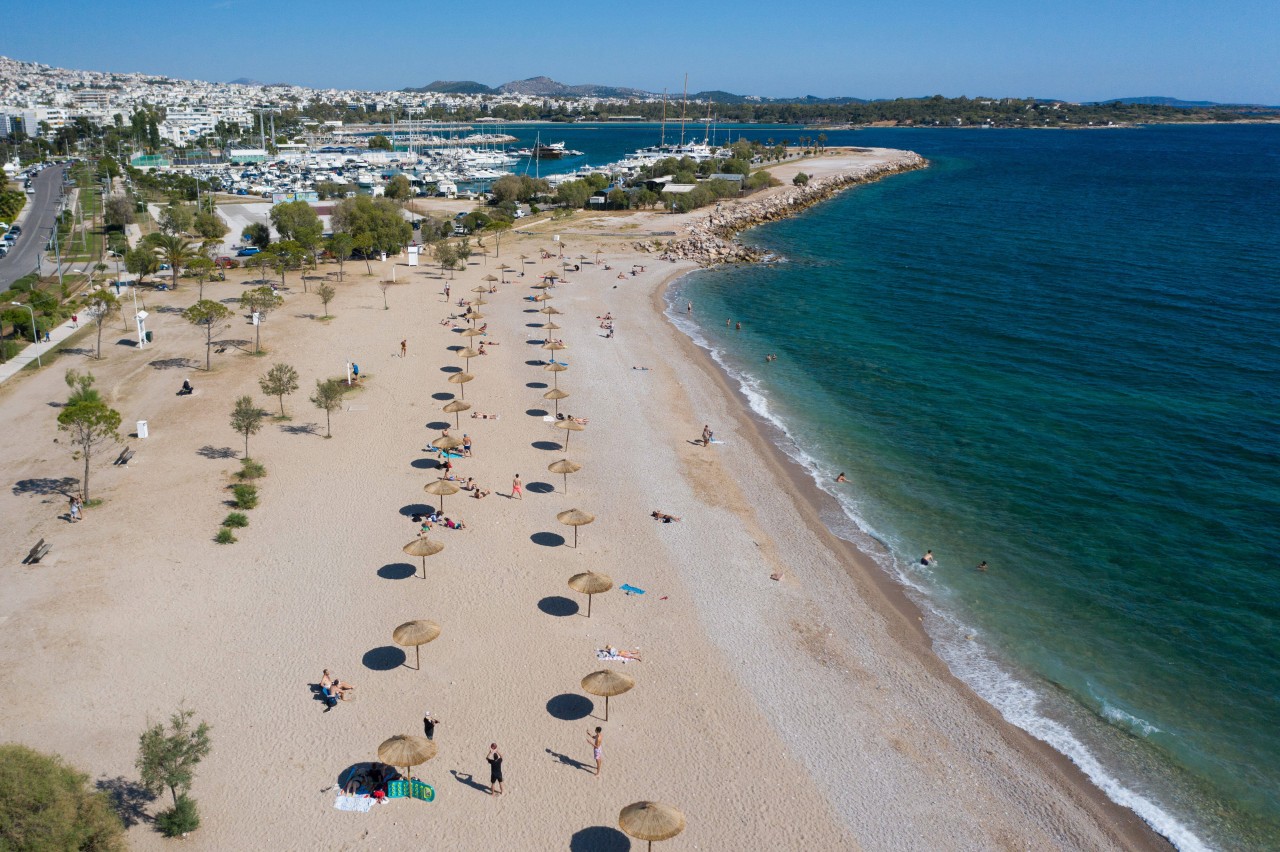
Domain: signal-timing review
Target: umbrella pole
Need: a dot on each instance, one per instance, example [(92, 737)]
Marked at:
[(567, 433), (557, 408), (606, 708), (417, 658), (566, 483), (424, 567), (457, 419), (588, 604)]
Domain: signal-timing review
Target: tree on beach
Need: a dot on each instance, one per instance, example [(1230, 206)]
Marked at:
[(202, 267), (262, 301), (447, 255), (328, 397), (364, 245), (46, 804), (326, 292), (176, 252), (91, 424), (280, 381), (296, 220), (258, 235), (286, 255), (102, 306), (212, 317), (801, 179), (141, 261), (380, 218), (168, 758), (340, 246), (497, 227), (246, 418)]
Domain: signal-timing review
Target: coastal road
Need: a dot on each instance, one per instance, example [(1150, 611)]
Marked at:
[(36, 225)]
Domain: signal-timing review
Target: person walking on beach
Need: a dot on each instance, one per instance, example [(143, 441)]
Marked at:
[(73, 509), (446, 292), (404, 347), (516, 491), (429, 723), (706, 435), (495, 770), (597, 746), (466, 445)]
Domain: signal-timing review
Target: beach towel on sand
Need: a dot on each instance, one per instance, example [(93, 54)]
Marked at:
[(630, 589), (360, 804), (613, 658)]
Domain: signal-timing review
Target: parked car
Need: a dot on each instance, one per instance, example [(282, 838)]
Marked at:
[(247, 252), (225, 262), (15, 229)]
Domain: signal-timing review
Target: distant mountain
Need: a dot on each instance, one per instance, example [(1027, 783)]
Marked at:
[(1158, 101), (245, 81), (546, 87), (455, 87)]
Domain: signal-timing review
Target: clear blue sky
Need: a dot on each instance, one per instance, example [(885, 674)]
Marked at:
[(1082, 50)]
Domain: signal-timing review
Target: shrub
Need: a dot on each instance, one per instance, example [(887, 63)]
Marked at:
[(45, 804), (246, 496), (180, 819), (236, 520), (225, 536), (250, 470)]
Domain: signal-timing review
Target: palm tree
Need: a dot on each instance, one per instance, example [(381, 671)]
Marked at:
[(176, 252)]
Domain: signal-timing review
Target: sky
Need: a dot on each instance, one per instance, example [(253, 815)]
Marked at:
[(1084, 50)]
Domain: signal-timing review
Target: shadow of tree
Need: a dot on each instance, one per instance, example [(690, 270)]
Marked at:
[(168, 309), (300, 428), (569, 706), (558, 606), (211, 452), (599, 838), (128, 798), (238, 344), (384, 659), (173, 364), (547, 539), (45, 487), (75, 350)]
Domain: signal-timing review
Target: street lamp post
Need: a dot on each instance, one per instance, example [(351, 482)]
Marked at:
[(35, 336)]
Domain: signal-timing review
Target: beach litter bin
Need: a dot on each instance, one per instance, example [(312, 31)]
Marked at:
[(149, 336)]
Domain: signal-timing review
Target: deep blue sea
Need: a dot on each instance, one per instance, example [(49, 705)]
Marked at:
[(1055, 352)]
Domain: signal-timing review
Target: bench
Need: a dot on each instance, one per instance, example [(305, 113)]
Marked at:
[(38, 552), (125, 455)]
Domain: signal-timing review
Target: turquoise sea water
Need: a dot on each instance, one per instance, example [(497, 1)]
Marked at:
[(1055, 352)]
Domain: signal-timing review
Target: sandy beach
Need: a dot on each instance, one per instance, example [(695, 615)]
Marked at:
[(800, 713)]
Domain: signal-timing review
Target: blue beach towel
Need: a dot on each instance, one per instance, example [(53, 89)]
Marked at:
[(630, 589)]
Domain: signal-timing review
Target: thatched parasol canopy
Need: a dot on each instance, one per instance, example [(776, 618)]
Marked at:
[(461, 379), (651, 821), (607, 682), (564, 467), (456, 406), (416, 633), (447, 442), (407, 751), (423, 547), (557, 395), (441, 488), (575, 518), (569, 426), (589, 583)]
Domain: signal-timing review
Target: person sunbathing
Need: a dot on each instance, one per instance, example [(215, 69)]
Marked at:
[(662, 516), (626, 655), (469, 485), (478, 416), (480, 492), (338, 688)]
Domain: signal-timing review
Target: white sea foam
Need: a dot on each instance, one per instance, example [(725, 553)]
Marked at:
[(1128, 720), (953, 640)]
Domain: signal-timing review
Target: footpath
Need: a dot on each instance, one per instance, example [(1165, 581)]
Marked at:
[(58, 335)]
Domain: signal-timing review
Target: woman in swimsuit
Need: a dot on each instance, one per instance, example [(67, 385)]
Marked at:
[(597, 746)]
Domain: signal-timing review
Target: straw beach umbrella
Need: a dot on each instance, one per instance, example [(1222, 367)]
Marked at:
[(479, 289), (468, 353), (607, 682), (423, 547), (447, 442), (569, 426), (564, 467), (543, 297), (555, 346), (557, 395), (407, 751), (461, 379), (575, 518), (440, 488), (651, 821), (454, 407), (417, 633), (549, 311), (588, 583), (555, 370), (490, 278), (550, 326)]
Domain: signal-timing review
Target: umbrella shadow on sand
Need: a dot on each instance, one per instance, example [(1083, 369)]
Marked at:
[(547, 539), (546, 445), (384, 659), (558, 606), (570, 706), (397, 571), (599, 838), (437, 425)]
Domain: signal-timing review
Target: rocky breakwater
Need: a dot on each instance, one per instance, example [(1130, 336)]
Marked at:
[(712, 239)]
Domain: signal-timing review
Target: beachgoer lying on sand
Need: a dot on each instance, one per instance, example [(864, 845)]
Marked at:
[(623, 277), (581, 420), (455, 525), (339, 688), (480, 492), (617, 652), (478, 416), (640, 368), (662, 516)]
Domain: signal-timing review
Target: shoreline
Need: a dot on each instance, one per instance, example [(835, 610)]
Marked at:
[(891, 599)]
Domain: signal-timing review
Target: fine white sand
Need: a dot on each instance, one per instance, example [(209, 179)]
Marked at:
[(801, 714)]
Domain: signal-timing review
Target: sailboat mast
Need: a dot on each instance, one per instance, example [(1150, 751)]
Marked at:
[(664, 119), (683, 104)]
